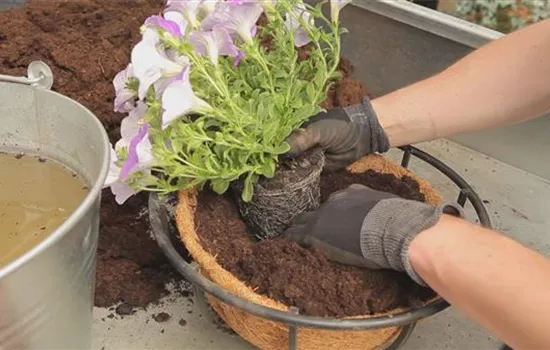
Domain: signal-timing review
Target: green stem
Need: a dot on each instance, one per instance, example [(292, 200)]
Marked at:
[(210, 79), (258, 57)]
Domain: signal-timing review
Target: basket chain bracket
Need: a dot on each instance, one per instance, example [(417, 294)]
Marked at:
[(293, 330)]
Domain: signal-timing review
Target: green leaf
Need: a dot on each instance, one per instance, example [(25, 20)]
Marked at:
[(335, 75), (282, 148), (194, 144), (268, 169), (248, 189), (310, 92), (243, 157), (219, 185), (319, 79)]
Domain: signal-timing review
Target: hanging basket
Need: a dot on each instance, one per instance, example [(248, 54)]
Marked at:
[(266, 334)]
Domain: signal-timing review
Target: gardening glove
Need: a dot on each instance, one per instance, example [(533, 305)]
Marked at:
[(368, 228), (346, 135)]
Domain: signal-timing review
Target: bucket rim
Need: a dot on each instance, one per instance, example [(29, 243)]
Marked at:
[(84, 206)]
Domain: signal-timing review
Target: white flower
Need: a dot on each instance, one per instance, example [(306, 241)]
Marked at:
[(151, 63), (179, 99), (189, 9), (292, 22), (124, 97), (135, 139), (236, 18), (335, 7), (213, 43)]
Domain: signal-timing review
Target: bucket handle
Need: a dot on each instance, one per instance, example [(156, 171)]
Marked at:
[(39, 75)]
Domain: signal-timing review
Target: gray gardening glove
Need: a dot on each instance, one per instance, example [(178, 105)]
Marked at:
[(368, 228), (346, 135)]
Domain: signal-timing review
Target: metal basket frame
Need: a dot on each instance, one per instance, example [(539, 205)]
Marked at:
[(162, 227)]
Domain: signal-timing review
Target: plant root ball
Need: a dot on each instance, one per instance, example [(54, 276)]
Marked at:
[(277, 201)]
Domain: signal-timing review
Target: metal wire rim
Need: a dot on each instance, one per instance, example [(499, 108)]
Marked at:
[(160, 222)]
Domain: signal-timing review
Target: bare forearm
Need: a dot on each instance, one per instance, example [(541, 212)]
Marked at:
[(496, 281), (504, 82)]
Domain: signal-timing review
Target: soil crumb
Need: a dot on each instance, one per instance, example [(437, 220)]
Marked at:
[(161, 317), (124, 309), (305, 278)]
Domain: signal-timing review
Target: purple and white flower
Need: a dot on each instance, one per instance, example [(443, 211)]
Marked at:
[(214, 43), (189, 8), (151, 63), (237, 18), (240, 55), (179, 99), (129, 126), (124, 97), (162, 23), (172, 22), (209, 6), (140, 154), (268, 4), (120, 189), (135, 139), (114, 170), (335, 7), (134, 132), (292, 22)]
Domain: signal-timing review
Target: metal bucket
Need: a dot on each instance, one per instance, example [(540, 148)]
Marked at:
[(46, 295)]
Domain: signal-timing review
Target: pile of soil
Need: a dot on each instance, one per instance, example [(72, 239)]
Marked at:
[(86, 43)]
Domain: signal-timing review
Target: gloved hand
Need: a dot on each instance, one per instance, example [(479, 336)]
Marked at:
[(346, 135), (368, 228)]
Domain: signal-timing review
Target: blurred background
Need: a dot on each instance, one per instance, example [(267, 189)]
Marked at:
[(502, 15)]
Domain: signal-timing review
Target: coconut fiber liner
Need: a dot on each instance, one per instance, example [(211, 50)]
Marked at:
[(266, 334)]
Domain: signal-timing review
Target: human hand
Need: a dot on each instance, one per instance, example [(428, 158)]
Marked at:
[(346, 135), (367, 228)]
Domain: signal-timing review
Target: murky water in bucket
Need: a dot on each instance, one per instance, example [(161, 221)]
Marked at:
[(36, 195)]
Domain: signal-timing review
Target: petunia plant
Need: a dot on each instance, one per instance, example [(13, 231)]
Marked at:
[(215, 87)]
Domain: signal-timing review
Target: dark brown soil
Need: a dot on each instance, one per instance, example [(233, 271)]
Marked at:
[(161, 317), (85, 42), (405, 187), (345, 92), (124, 309)]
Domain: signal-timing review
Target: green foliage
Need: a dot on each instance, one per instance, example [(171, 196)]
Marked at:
[(254, 107)]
